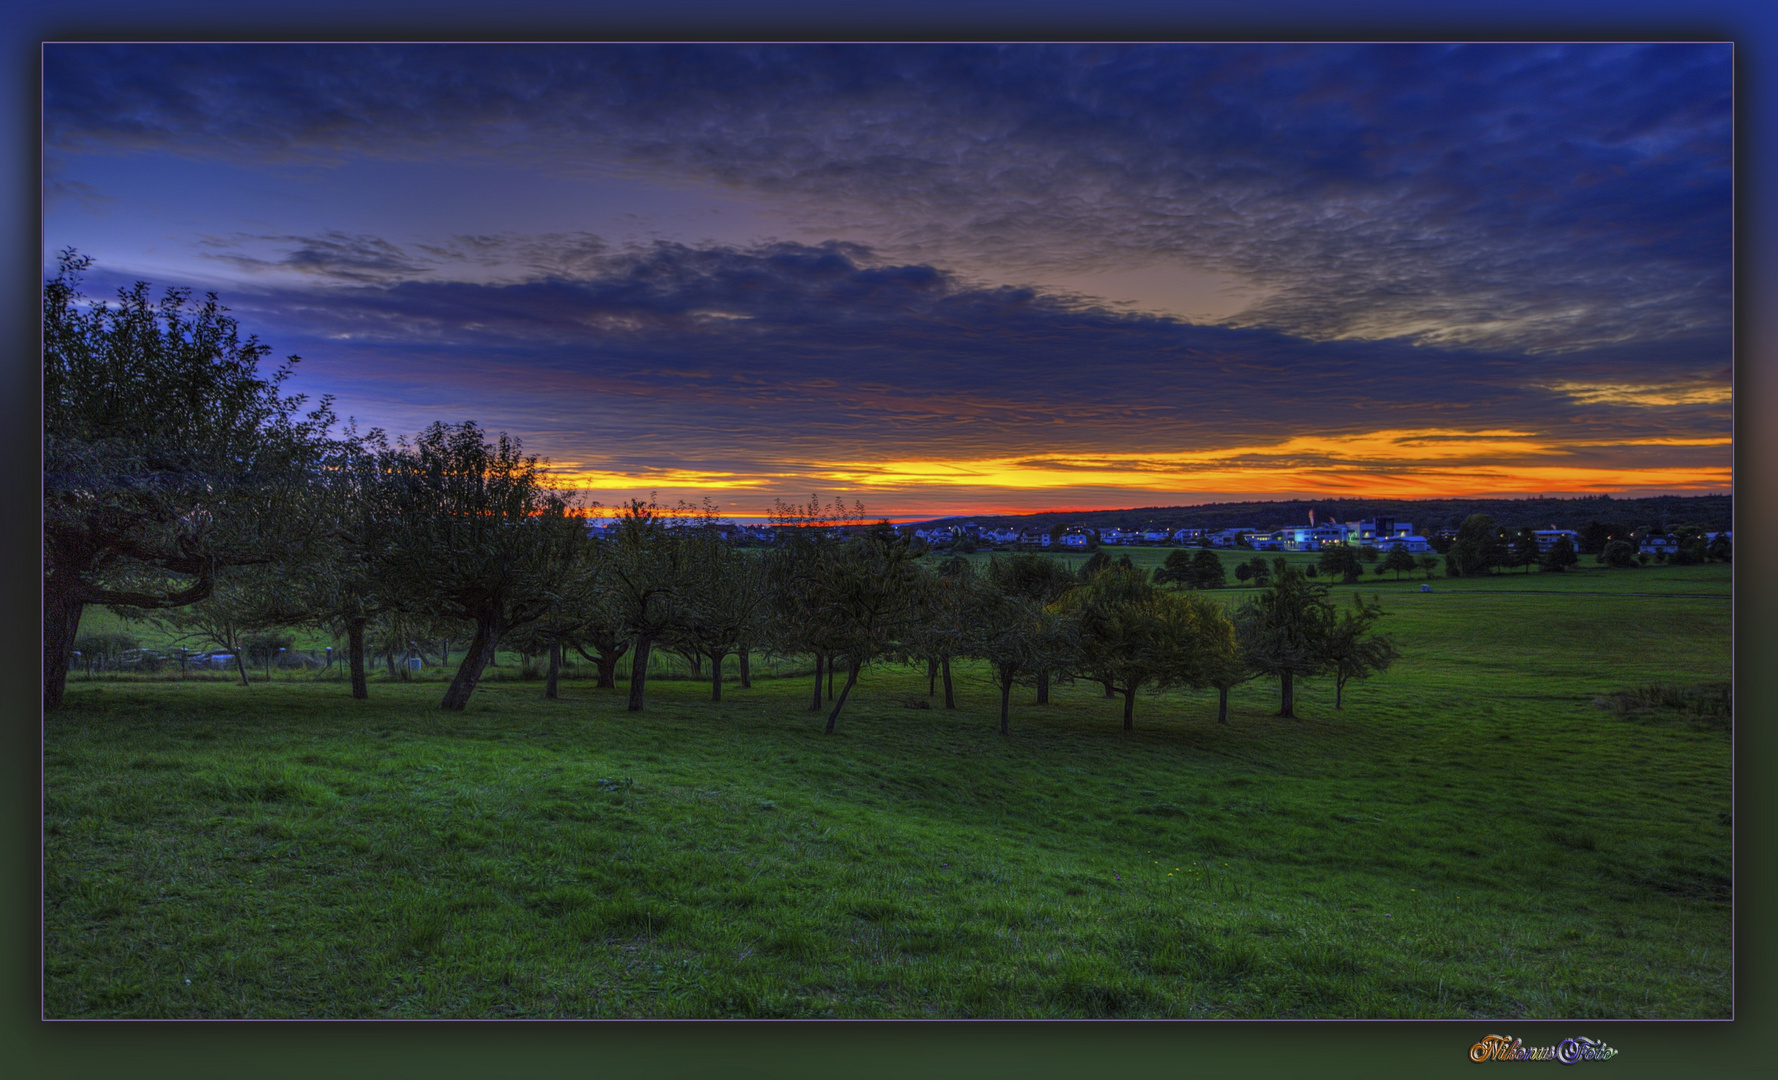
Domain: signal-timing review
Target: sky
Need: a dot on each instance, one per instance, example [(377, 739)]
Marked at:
[(953, 279)]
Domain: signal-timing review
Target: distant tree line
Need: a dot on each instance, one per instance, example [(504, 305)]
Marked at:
[(1711, 513)]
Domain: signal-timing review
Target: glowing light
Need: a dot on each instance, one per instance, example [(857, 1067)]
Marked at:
[(1389, 463), (1646, 395)]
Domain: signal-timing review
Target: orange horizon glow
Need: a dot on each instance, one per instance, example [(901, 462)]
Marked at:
[(1395, 463)]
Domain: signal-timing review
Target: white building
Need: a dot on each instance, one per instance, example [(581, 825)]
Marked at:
[(1546, 538)]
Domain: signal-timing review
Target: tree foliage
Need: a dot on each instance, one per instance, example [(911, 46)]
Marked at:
[(1353, 651), (1559, 557), (1285, 631), (476, 533), (1477, 549), (167, 454)]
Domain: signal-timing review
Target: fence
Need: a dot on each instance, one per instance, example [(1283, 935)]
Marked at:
[(331, 665)]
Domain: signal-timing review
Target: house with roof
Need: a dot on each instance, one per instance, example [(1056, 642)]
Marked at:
[(1235, 537), (1314, 537), (1655, 544), (1548, 538), (1413, 545)]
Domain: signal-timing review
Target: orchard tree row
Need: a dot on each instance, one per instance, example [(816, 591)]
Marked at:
[(181, 483)]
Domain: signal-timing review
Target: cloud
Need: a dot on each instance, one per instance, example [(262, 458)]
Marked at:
[(774, 368), (1537, 198), (367, 259)]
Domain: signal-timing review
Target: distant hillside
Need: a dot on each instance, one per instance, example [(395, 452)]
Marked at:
[(1709, 512)]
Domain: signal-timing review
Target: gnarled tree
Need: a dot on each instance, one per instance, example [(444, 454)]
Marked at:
[(166, 455)]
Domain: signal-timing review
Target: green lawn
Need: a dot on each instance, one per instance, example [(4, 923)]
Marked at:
[(1471, 836)]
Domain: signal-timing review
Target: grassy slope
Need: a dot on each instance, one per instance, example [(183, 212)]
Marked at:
[(1471, 836)]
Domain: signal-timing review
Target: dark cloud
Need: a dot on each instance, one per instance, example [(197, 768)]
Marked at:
[(788, 355), (1546, 198), (366, 259), (333, 255)]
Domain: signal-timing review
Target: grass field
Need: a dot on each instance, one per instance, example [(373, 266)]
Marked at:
[(1471, 836)]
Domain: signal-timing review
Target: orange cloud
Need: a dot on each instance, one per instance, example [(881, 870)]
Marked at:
[(1387, 463)]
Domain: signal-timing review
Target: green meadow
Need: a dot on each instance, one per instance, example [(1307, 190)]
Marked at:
[(1528, 816)]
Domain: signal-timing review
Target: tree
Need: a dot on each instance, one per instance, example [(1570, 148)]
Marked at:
[(1427, 564), (649, 574), (1176, 570), (574, 618), (1341, 561), (1691, 550), (1286, 631), (478, 535), (167, 455), (869, 598), (1559, 557), (1477, 549), (724, 599), (946, 599), (1020, 637), (1226, 663), (233, 612), (1620, 554), (1041, 580), (1524, 550), (1594, 536), (1721, 548), (806, 540), (336, 581), (1133, 634), (1398, 560), (1353, 652)]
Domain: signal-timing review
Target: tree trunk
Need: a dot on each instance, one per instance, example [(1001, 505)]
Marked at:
[(944, 667), (746, 669), (444, 653), (1287, 695), (931, 675), (851, 681), (478, 657), (1222, 704), (830, 670), (716, 675), (1043, 687), (355, 657), (696, 660), (1129, 693), (389, 661), (1005, 697), (815, 705), (1109, 692), (241, 666), (555, 670), (1339, 690), (607, 667), (61, 625), (639, 672)]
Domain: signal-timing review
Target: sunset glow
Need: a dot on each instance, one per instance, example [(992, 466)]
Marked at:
[(953, 279)]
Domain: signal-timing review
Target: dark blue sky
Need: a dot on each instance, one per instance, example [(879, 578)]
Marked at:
[(947, 277)]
